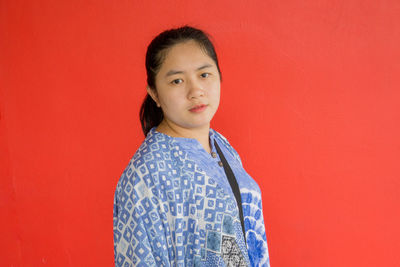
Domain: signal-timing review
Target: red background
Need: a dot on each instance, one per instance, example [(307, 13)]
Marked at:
[(310, 99)]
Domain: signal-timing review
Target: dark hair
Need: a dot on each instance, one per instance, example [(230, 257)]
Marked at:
[(150, 114)]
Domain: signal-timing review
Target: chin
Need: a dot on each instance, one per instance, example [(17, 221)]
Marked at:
[(197, 125)]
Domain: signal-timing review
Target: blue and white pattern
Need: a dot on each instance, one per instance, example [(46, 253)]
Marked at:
[(174, 206)]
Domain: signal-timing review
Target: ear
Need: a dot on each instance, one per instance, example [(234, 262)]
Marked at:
[(153, 94)]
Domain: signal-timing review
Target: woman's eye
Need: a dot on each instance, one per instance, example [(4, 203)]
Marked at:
[(205, 75), (177, 81)]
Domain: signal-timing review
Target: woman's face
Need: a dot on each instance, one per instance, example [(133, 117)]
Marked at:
[(187, 87)]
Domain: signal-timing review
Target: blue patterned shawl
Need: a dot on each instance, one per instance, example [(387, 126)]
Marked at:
[(174, 206)]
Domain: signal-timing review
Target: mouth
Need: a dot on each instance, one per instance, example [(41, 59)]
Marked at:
[(198, 108)]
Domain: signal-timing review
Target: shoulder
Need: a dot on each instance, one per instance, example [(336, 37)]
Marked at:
[(153, 151), (156, 147), (222, 140)]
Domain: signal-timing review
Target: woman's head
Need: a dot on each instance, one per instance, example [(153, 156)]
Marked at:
[(150, 113)]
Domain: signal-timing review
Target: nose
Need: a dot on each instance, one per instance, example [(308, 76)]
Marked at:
[(195, 90)]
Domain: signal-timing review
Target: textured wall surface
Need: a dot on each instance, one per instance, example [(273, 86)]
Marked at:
[(310, 100)]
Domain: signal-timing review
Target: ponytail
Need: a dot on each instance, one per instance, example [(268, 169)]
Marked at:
[(150, 114)]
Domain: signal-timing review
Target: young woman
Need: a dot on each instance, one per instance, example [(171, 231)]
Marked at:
[(185, 199)]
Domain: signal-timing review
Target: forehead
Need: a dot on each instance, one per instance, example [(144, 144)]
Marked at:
[(185, 55)]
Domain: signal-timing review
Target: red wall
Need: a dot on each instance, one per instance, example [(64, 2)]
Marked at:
[(310, 99)]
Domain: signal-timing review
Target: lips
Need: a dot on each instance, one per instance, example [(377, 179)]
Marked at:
[(198, 108)]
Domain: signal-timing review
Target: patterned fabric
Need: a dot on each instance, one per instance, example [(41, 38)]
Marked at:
[(173, 206)]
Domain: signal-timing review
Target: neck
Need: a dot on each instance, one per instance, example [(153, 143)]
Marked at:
[(201, 134)]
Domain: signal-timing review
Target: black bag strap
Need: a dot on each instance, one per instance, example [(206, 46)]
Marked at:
[(234, 185)]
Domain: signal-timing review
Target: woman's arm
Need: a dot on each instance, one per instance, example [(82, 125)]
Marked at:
[(131, 240)]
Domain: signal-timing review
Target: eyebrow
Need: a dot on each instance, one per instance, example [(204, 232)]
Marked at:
[(173, 72)]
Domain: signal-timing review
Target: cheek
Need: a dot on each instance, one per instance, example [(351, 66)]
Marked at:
[(216, 92), (169, 101), (217, 100)]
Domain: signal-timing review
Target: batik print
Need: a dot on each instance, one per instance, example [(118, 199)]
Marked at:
[(173, 206)]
